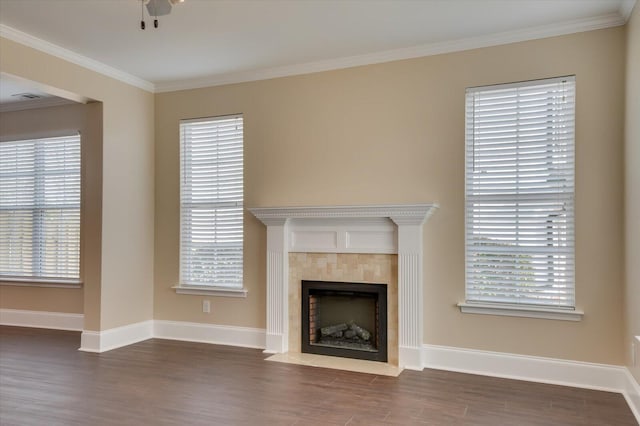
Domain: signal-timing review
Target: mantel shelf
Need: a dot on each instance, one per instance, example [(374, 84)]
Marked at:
[(405, 213)]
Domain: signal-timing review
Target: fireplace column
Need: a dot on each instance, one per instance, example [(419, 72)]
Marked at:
[(410, 293), (277, 285)]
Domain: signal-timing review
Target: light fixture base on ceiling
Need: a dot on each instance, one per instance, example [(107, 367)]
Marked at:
[(157, 8)]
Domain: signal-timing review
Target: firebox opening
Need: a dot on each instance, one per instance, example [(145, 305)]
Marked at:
[(345, 319)]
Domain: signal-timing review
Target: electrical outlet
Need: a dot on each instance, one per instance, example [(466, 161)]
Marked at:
[(206, 306)]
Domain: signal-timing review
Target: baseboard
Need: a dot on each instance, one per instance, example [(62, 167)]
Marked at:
[(102, 341), (210, 333), (411, 358), (106, 340), (632, 394), (275, 344), (522, 367), (579, 374), (42, 319)]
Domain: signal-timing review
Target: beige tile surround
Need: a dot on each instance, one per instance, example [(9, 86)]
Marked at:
[(343, 267)]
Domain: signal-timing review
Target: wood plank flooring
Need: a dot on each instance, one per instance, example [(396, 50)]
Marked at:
[(45, 380)]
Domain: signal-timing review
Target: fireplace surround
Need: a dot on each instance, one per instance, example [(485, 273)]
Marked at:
[(383, 229)]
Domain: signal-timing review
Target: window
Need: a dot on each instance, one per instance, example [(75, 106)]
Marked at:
[(40, 209), (211, 202), (520, 194)]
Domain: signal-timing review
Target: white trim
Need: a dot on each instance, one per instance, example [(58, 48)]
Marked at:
[(563, 28), (327, 230), (413, 357), (73, 57), (210, 333), (631, 393), (523, 367), (210, 291), (521, 311), (113, 338), (40, 284), (343, 236), (626, 7), (604, 377), (42, 319), (275, 344), (552, 30), (417, 213)]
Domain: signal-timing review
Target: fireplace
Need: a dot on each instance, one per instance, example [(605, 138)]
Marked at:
[(347, 230), (344, 319)]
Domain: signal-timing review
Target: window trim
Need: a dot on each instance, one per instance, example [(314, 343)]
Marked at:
[(528, 310), (194, 289), (210, 291), (34, 282)]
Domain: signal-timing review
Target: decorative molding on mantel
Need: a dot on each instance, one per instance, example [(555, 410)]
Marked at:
[(392, 229), (414, 213)]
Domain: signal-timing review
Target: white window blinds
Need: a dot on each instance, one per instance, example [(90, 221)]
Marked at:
[(211, 198), (520, 192), (40, 208)]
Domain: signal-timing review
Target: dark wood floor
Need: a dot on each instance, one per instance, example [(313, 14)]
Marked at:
[(44, 380)]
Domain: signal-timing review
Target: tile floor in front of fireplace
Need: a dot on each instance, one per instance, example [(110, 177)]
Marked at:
[(338, 363)]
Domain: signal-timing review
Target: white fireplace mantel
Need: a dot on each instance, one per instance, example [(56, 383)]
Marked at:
[(395, 229)]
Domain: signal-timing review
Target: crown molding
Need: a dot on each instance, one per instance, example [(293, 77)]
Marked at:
[(73, 57), (533, 33), (626, 7)]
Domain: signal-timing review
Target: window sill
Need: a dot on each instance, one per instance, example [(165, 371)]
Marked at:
[(521, 311), (40, 282), (210, 291)]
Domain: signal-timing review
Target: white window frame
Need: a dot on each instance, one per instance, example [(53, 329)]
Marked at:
[(39, 204), (190, 282), (502, 294)]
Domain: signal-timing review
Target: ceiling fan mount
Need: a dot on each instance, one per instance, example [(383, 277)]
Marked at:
[(157, 8)]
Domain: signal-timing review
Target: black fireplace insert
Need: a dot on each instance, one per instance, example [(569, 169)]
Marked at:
[(344, 319)]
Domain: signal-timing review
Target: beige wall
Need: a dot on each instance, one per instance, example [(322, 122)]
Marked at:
[(124, 292), (632, 181), (394, 133), (43, 122)]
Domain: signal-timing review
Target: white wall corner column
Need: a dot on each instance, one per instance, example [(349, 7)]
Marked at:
[(393, 229)]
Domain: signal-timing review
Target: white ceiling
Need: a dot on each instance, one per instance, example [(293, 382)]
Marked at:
[(206, 42), (11, 99), (10, 91)]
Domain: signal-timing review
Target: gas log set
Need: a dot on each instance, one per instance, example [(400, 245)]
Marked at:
[(349, 335)]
